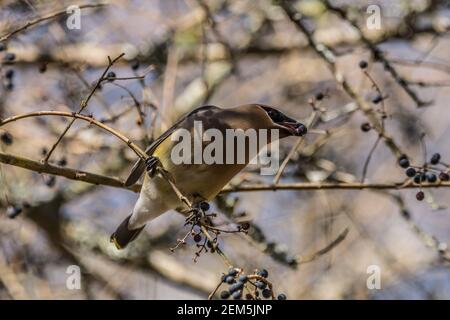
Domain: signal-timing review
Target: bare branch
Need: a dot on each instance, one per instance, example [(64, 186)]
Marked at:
[(72, 174), (84, 104), (89, 119), (45, 18)]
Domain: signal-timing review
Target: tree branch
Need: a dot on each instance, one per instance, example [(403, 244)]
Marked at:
[(74, 115), (97, 179), (68, 173), (45, 18), (84, 104)]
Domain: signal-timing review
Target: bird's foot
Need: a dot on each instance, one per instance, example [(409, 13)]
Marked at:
[(151, 164)]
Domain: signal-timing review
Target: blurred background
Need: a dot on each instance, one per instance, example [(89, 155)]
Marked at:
[(316, 244)]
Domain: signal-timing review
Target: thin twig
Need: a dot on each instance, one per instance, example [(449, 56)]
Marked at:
[(45, 18), (330, 59), (84, 104), (312, 120), (136, 102), (72, 174), (369, 157), (183, 199), (141, 154), (311, 257), (378, 55)]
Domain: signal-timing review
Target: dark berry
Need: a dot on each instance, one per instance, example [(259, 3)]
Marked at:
[(224, 277), (62, 162), (423, 177), (404, 163), (245, 226), (363, 64), (237, 295), (232, 272), (229, 279), (406, 214), (291, 261), (260, 284), (418, 178), (365, 127), (9, 73), (135, 65), (209, 244), (263, 273), (204, 206), (301, 130), (42, 67), (266, 293), (444, 176), (224, 295), (403, 156), (7, 138), (435, 158), (198, 237), (243, 278), (319, 96), (431, 177), (2, 46), (111, 75), (9, 56), (411, 172), (249, 296), (281, 296), (13, 211), (377, 99), (420, 195), (50, 181), (236, 286)]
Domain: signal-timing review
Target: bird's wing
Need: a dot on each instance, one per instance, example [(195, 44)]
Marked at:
[(139, 167)]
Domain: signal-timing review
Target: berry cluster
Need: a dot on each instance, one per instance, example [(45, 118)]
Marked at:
[(429, 172), (256, 285), (197, 219)]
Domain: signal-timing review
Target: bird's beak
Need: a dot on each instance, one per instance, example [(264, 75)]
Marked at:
[(295, 128)]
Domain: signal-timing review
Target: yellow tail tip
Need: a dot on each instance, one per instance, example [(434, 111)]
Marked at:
[(114, 240)]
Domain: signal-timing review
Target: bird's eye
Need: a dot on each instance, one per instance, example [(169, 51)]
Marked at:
[(275, 115)]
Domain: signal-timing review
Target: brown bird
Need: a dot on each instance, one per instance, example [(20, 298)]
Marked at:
[(199, 181)]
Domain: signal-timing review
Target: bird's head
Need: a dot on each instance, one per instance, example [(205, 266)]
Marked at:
[(259, 116), (288, 126)]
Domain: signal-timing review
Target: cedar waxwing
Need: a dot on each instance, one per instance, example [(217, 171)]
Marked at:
[(197, 181)]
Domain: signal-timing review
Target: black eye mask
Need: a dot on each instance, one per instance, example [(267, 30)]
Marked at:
[(275, 115)]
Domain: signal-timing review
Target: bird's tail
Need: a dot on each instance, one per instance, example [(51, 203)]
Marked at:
[(123, 236)]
